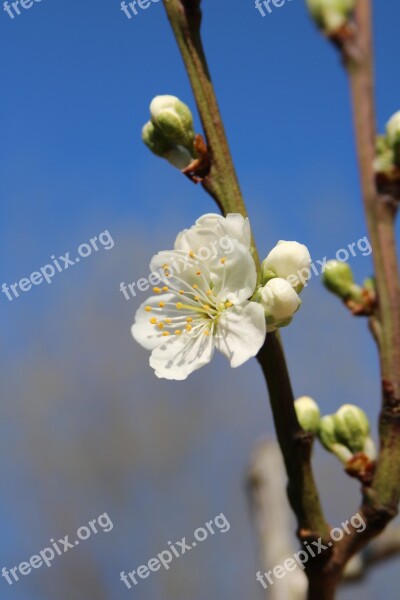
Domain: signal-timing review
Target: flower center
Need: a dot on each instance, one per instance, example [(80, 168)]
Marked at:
[(196, 308)]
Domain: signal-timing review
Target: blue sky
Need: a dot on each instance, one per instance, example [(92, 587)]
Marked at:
[(77, 79)]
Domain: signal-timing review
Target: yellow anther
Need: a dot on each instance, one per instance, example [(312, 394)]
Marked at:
[(165, 266), (148, 309), (209, 292), (223, 260), (179, 305), (167, 321), (228, 304), (178, 332), (197, 298), (161, 304), (188, 328), (153, 321), (161, 325), (191, 254), (165, 333), (206, 332), (206, 307), (156, 290), (165, 288), (181, 292), (195, 286), (198, 272), (189, 320)]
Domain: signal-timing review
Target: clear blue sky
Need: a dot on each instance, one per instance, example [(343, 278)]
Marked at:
[(77, 78)]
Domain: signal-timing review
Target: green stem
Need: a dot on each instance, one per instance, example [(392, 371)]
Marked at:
[(221, 183)]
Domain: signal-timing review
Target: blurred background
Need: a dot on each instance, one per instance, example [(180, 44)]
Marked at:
[(86, 428)]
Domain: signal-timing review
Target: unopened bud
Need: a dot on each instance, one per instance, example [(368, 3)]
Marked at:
[(174, 120), (290, 261), (338, 279), (331, 15), (393, 129), (154, 140), (279, 301), (328, 438), (308, 414), (351, 427)]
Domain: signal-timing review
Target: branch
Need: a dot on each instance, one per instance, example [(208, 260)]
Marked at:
[(296, 445), (385, 546), (221, 182), (382, 498)]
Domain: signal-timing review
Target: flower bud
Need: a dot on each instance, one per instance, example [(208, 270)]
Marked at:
[(279, 301), (393, 137), (288, 260), (174, 120), (338, 279), (308, 414), (351, 427), (154, 140), (331, 15), (393, 129), (328, 438)]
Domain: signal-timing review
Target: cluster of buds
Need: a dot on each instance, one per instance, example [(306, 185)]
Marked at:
[(387, 160), (331, 16), (283, 275), (347, 435), (170, 133), (338, 278)]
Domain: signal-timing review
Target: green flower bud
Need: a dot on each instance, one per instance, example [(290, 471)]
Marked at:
[(351, 427), (328, 438), (174, 120), (178, 156), (338, 279), (331, 15), (308, 414), (154, 140)]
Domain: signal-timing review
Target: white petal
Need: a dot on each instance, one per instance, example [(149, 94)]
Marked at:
[(214, 234), (146, 334), (181, 355), (236, 278), (241, 332)]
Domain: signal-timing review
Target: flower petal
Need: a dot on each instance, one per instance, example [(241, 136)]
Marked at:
[(181, 355), (146, 334), (241, 332), (214, 231), (235, 276)]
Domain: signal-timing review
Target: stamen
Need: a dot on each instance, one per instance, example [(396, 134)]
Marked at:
[(156, 290), (148, 309), (161, 304), (161, 325), (165, 288), (223, 260), (165, 333), (153, 321), (178, 332)]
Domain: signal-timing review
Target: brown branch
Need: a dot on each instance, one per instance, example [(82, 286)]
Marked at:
[(382, 498)]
